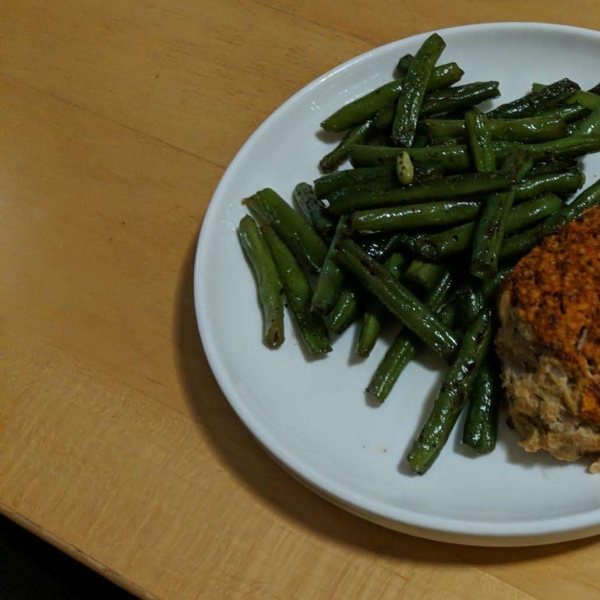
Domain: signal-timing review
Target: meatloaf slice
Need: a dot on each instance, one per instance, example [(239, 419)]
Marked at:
[(549, 343)]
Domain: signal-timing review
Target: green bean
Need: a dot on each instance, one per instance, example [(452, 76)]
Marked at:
[(313, 210), (553, 166), (569, 113), (457, 239), (384, 119), (558, 183), (331, 278), (365, 107), (480, 141), (404, 346), (297, 234), (490, 287), (356, 135), (489, 232), (447, 141), (402, 303), (590, 125), (375, 313), (448, 159), (404, 64), (588, 99), (345, 311), (490, 228), (270, 288), (424, 274), (521, 243), (348, 177), (471, 184), (414, 216), (571, 146), (535, 102), (481, 424), (380, 246), (298, 293), (469, 303), (459, 98), (530, 129), (518, 164), (437, 246), (453, 394), (410, 100), (589, 198), (371, 187), (528, 213)]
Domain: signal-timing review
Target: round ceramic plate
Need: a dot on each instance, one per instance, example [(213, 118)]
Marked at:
[(313, 416)]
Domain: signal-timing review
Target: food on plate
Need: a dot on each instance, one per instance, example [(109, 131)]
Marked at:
[(442, 200), (549, 343)]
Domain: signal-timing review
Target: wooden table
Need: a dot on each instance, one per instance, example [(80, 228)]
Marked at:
[(116, 443)]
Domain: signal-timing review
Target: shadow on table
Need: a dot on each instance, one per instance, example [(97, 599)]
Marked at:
[(253, 467)]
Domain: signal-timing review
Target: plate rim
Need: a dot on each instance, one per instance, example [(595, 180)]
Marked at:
[(447, 529)]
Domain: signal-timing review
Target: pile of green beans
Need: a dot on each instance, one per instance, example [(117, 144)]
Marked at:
[(423, 228)]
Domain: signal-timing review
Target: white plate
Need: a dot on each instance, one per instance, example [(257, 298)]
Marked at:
[(313, 416)]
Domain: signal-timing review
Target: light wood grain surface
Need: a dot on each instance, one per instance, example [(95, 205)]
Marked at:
[(116, 444)]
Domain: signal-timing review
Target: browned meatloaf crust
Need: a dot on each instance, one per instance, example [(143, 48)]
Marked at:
[(549, 343)]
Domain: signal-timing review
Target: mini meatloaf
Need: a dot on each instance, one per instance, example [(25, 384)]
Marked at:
[(549, 343)]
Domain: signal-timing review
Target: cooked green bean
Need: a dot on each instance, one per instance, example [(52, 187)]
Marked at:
[(452, 241), (479, 135), (357, 135), (380, 246), (375, 313), (457, 186), (313, 210), (404, 64), (588, 198), (408, 105), (402, 303), (490, 287), (528, 213), (490, 228), (297, 234), (331, 278), (363, 108), (453, 395), (553, 166), (348, 177), (530, 129), (424, 274), (590, 125), (536, 102), (345, 311), (489, 233), (404, 346), (557, 183), (569, 114), (414, 216), (481, 424), (270, 288), (571, 146), (469, 303), (445, 158), (589, 99), (298, 293), (459, 98), (521, 243)]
